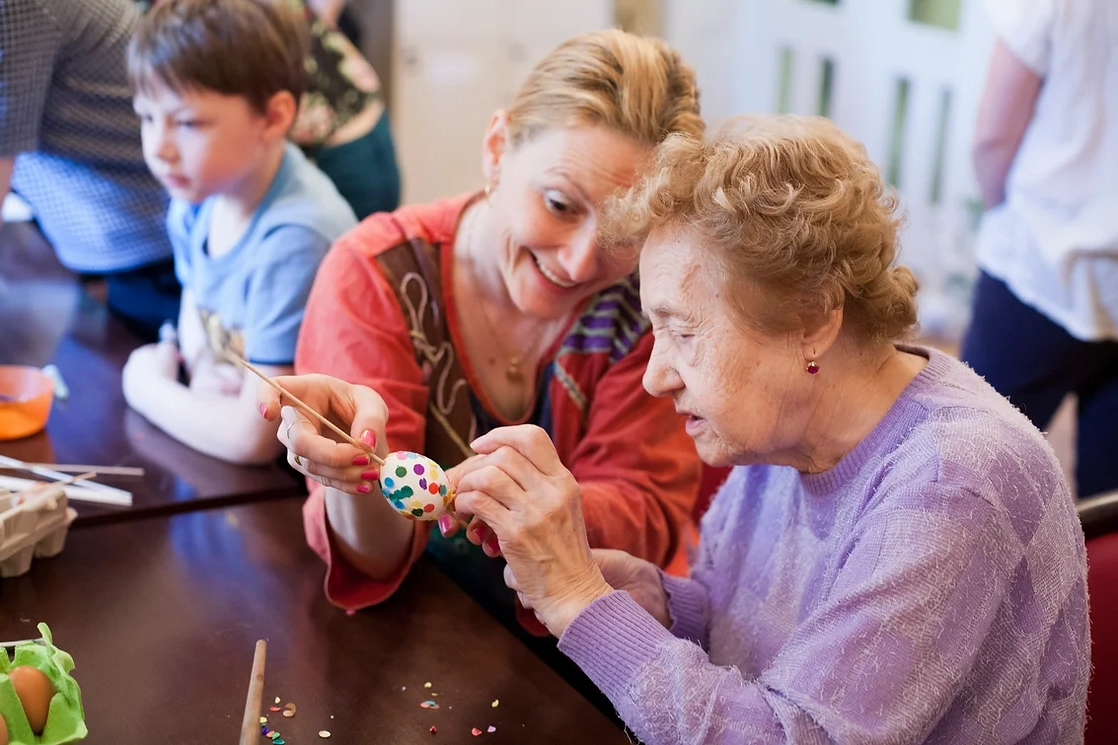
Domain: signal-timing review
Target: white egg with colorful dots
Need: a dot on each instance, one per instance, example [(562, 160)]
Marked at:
[(416, 486)]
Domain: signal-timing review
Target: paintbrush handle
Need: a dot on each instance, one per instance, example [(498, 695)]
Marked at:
[(250, 725)]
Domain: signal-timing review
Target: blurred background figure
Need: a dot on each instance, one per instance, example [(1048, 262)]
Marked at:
[(1045, 312), (342, 124), (70, 147)]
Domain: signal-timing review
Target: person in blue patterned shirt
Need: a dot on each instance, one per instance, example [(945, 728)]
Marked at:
[(70, 147)]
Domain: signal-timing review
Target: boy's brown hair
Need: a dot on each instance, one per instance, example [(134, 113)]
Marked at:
[(249, 48)]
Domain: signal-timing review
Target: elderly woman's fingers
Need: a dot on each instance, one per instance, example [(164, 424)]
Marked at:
[(510, 579), (530, 441), (491, 480), (479, 503)]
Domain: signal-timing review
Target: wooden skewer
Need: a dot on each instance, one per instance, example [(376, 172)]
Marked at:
[(95, 470), (250, 726), (337, 430), (308, 410)]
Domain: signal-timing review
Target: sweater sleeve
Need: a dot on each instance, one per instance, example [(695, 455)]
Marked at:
[(872, 663), (354, 330), (637, 468)]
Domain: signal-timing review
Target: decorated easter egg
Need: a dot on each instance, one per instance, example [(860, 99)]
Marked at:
[(415, 485)]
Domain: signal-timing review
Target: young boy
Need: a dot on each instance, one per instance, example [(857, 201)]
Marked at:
[(216, 88)]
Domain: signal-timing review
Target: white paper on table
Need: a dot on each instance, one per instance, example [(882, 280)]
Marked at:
[(73, 492)]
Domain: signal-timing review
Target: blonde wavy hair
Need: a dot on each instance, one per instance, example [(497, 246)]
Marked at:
[(795, 215), (636, 86)]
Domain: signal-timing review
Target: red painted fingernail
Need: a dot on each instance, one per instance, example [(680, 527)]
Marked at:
[(361, 460), (364, 488), (370, 475), (493, 545), (264, 410), (445, 523), (369, 438)]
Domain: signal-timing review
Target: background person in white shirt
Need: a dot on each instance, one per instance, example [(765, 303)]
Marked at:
[(1045, 321)]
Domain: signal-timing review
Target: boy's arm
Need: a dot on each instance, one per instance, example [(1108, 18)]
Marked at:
[(228, 427), (192, 335)]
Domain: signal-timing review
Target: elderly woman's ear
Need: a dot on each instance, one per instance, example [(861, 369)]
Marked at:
[(820, 334)]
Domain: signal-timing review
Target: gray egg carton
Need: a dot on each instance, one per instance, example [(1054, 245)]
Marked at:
[(32, 525)]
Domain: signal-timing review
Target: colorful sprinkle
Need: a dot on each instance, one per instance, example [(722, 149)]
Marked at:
[(274, 708), (323, 733), (277, 699), (433, 729), (496, 703), (429, 705), (491, 729), (475, 732), (427, 684), (263, 720), (279, 741)]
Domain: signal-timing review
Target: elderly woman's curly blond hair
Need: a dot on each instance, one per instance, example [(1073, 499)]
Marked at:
[(795, 215)]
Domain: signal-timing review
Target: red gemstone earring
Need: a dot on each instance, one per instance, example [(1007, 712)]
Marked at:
[(812, 367)]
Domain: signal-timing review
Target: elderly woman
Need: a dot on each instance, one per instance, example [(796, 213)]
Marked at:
[(895, 557), (436, 323)]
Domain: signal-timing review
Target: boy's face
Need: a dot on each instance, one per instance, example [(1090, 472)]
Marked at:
[(199, 143)]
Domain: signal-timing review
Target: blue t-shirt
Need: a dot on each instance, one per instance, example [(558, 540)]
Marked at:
[(252, 298)]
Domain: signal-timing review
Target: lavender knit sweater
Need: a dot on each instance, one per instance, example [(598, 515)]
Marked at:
[(931, 587)]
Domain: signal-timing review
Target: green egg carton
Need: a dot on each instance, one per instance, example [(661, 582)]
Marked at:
[(66, 717)]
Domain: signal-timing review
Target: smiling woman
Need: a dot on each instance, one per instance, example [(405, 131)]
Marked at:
[(436, 323)]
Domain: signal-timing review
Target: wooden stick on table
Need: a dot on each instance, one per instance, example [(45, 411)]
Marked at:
[(250, 726), (308, 410), (95, 470)]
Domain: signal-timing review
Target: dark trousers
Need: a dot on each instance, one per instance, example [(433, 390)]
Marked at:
[(1035, 363), (145, 297)]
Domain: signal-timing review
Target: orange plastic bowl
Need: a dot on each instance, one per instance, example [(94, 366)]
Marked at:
[(26, 394)]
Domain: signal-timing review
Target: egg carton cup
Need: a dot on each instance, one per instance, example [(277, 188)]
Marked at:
[(32, 525)]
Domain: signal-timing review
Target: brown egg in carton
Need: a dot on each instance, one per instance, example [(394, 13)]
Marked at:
[(33, 523), (40, 702)]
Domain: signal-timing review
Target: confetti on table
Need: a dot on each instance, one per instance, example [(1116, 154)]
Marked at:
[(475, 732), (263, 720), (274, 708), (427, 684), (491, 729), (289, 710), (433, 729), (496, 703), (277, 699), (403, 688), (279, 741), (429, 705), (324, 733)]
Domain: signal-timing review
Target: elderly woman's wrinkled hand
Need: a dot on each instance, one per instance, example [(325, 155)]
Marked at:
[(621, 571), (533, 505)]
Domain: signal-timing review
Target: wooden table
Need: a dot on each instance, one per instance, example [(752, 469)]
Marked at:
[(161, 616), (46, 317)]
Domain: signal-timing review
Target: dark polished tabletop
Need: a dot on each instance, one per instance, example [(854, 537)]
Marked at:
[(161, 617), (46, 316)]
